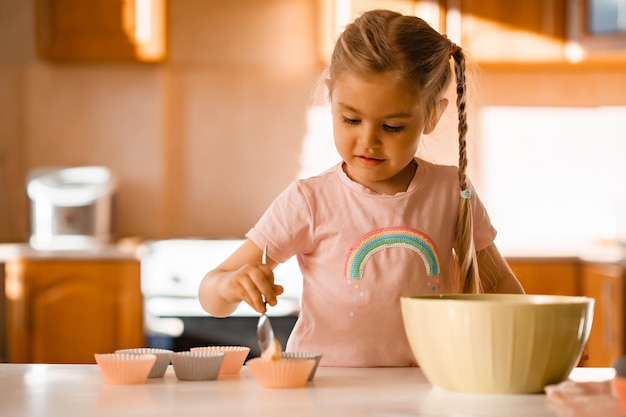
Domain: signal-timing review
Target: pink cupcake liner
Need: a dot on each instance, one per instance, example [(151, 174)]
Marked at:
[(283, 373), (234, 357), (162, 361), (124, 368)]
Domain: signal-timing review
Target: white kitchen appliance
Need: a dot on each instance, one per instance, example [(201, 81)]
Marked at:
[(171, 271), (71, 208)]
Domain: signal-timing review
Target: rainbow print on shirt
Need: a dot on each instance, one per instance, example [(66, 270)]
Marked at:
[(390, 237)]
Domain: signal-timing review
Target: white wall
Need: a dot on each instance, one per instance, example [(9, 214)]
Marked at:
[(554, 177)]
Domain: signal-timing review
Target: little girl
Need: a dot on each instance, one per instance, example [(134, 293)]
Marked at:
[(381, 224)]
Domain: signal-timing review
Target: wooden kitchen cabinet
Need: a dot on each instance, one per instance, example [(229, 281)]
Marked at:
[(605, 283), (64, 311), (523, 31), (102, 30), (553, 276), (492, 31)]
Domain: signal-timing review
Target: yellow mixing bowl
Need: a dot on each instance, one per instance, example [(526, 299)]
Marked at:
[(497, 343)]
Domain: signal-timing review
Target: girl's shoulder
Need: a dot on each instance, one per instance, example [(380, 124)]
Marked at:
[(439, 168), (322, 179), (311, 188), (438, 172)]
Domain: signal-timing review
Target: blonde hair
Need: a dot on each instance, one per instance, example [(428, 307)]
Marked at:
[(381, 41)]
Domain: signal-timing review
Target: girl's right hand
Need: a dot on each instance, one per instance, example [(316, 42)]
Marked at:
[(253, 283), (241, 277)]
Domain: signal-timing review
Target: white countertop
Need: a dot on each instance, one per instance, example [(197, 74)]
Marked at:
[(78, 390), (609, 253), (11, 251), (134, 250)]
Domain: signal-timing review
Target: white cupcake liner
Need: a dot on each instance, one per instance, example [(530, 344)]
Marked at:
[(161, 364), (304, 355), (197, 366)]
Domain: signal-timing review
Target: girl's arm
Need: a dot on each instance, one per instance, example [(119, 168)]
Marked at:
[(495, 274), (241, 277)]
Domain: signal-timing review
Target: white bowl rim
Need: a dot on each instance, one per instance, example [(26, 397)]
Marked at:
[(521, 299)]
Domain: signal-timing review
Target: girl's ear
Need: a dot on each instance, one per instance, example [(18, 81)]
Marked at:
[(435, 115)]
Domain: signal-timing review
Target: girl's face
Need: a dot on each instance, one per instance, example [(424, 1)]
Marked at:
[(377, 126)]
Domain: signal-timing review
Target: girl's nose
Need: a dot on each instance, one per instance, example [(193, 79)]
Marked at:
[(369, 137)]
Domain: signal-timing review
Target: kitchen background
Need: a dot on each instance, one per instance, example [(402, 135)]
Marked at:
[(205, 138), (217, 108)]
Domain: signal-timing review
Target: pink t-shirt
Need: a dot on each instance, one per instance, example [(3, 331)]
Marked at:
[(359, 252)]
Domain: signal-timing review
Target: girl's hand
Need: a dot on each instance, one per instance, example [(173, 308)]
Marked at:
[(252, 284), (241, 277)]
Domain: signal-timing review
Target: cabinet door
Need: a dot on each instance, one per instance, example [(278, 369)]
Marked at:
[(552, 277), (65, 311), (101, 30), (605, 283), (518, 31)]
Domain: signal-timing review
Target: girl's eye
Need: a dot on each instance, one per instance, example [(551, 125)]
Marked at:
[(351, 121), (393, 128), (388, 128)]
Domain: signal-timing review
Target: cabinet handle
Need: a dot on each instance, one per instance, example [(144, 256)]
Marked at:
[(607, 316), (14, 292)]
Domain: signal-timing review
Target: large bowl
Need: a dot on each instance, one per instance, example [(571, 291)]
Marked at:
[(497, 343)]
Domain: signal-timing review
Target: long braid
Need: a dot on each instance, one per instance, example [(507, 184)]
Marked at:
[(469, 281)]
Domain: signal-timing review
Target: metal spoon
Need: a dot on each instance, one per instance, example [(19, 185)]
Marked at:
[(264, 329)]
